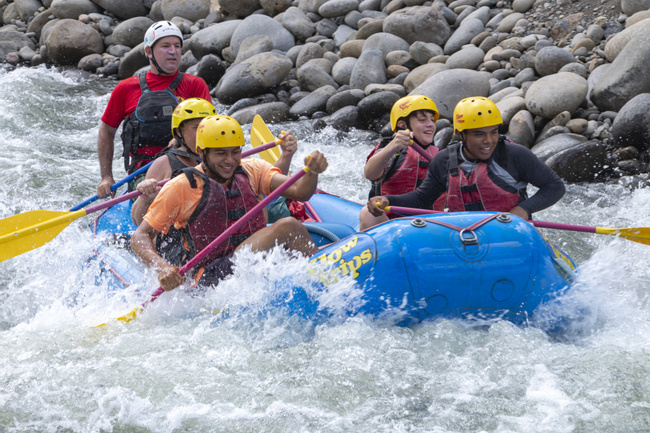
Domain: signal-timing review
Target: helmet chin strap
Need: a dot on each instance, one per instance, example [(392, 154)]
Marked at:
[(160, 70)]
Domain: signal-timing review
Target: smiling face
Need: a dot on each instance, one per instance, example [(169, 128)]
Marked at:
[(221, 162), (167, 53), (422, 124), (480, 143)]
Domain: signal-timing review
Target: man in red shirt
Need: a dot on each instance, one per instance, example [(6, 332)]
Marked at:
[(145, 103)]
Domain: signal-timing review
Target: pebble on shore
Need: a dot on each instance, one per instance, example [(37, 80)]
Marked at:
[(570, 78)]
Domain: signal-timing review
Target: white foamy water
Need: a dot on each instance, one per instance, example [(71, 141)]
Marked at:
[(184, 366)]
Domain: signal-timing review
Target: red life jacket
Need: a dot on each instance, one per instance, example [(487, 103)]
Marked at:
[(478, 191), (219, 208), (407, 171)]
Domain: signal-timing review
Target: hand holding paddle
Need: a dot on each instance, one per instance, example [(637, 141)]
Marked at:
[(218, 241)]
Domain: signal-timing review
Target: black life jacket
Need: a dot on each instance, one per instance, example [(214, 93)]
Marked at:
[(147, 131)]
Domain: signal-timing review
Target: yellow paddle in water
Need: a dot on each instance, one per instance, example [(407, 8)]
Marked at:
[(30, 230)]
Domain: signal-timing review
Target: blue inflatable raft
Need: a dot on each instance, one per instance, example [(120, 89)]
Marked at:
[(465, 265)]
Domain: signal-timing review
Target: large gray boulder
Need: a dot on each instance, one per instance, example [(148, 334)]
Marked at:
[(632, 123), (27, 8), (418, 23), (261, 25), (553, 94), (252, 77), (70, 40), (238, 8), (627, 76), (370, 68), (213, 39), (73, 8), (447, 88), (124, 9), (131, 32), (133, 61), (192, 10)]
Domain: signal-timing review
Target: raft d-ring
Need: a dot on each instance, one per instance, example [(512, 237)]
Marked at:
[(468, 241), (504, 218), (418, 222)]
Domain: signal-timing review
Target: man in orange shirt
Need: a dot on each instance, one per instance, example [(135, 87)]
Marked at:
[(145, 103), (197, 206)]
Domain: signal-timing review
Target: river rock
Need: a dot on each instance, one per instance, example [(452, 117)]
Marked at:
[(370, 68), (344, 99), (616, 44), (420, 74), (131, 32), (313, 102), (275, 7), (253, 45), (123, 9), (298, 24), (448, 88), (238, 8), (545, 149), (631, 7), (73, 8), (132, 62), (463, 35), (211, 68), (269, 111), (469, 57), (253, 76), (522, 129), (192, 10), (315, 74), (261, 25), (553, 94), (627, 76), (71, 40), (342, 70), (213, 39), (27, 8), (385, 42), (550, 60), (584, 162), (632, 124), (344, 119), (373, 106), (418, 23), (422, 52), (337, 8), (508, 107)]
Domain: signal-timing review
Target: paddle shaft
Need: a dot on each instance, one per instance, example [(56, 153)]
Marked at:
[(233, 228), (421, 151), (114, 187), (261, 148)]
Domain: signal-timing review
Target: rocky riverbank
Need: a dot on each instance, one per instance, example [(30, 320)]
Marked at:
[(569, 77)]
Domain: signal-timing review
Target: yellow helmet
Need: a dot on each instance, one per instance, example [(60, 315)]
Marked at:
[(408, 104), (219, 131), (192, 108), (476, 112)]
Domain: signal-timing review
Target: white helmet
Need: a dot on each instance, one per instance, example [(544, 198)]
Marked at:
[(160, 30)]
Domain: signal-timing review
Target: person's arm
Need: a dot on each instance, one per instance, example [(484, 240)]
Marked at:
[(377, 164), (532, 170), (105, 148), (289, 147), (304, 188), (142, 243), (149, 188)]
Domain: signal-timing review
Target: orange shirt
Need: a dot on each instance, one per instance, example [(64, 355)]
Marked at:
[(177, 200)]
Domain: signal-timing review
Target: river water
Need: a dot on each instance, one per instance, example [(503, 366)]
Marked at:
[(183, 367)]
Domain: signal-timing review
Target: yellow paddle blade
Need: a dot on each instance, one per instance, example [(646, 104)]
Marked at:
[(260, 134), (30, 230), (131, 315), (635, 234)]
